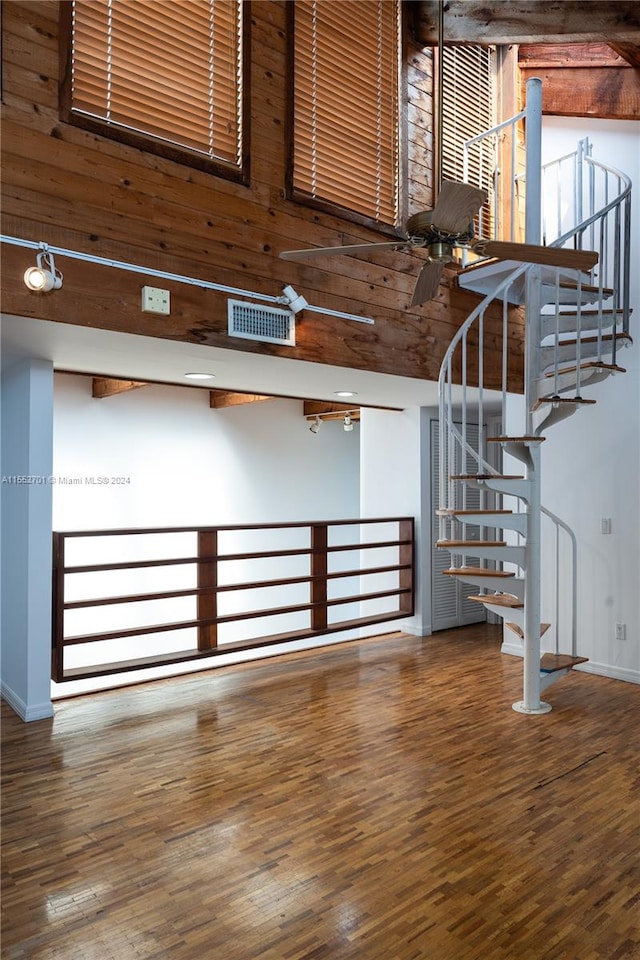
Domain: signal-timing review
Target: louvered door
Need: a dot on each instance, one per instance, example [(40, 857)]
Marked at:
[(450, 606)]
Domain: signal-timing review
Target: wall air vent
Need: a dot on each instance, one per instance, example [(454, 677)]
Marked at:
[(256, 322)]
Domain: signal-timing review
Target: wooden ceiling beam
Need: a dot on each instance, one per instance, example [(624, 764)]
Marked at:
[(531, 21), (574, 85), (103, 387), (606, 94), (219, 399), (569, 56), (319, 408), (629, 52)]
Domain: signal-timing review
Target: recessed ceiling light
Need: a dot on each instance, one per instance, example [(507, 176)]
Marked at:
[(345, 393), (200, 376)]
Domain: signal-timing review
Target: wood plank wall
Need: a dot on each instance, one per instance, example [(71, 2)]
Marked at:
[(71, 188)]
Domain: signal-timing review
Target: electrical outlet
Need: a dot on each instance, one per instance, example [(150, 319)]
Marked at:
[(605, 525), (156, 300), (621, 631)]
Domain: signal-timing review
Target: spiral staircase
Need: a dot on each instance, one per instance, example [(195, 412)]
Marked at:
[(575, 327)]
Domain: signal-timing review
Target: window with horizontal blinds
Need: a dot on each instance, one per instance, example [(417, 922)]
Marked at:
[(469, 108), (170, 70), (345, 132)]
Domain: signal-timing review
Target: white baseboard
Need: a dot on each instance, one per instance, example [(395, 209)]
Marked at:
[(598, 669), (513, 649), (607, 670), (416, 628), (35, 711)]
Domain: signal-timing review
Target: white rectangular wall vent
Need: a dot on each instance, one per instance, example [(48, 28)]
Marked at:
[(257, 322)]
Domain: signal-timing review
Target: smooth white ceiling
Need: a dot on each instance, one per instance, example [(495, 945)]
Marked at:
[(133, 357)]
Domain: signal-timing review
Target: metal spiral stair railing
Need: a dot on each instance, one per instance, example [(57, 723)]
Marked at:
[(574, 325)]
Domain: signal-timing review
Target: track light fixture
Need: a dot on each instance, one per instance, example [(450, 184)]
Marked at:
[(45, 276), (346, 417), (295, 301), (53, 281)]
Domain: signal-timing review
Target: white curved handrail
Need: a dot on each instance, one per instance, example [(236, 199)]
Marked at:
[(609, 226), (444, 380), (585, 204), (448, 431)]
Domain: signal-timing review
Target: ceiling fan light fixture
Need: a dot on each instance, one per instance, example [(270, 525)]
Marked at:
[(441, 252)]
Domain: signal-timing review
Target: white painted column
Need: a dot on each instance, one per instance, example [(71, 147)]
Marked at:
[(395, 479), (533, 161), (27, 452)]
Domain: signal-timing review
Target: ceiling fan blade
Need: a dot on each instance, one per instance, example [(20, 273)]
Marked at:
[(427, 283), (531, 253), (352, 250), (456, 206)]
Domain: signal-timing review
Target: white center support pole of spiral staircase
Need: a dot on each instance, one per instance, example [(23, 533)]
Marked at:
[(531, 702), (533, 162), (532, 234)]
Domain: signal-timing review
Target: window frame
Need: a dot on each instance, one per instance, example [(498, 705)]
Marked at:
[(147, 142), (333, 207)]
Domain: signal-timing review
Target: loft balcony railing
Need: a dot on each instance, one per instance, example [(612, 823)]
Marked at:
[(132, 599)]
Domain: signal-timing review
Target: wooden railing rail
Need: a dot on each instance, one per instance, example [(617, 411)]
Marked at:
[(377, 602)]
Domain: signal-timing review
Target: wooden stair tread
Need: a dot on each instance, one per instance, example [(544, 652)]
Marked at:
[(496, 261), (552, 398), (588, 365), (517, 629), (499, 600), (605, 338), (485, 262), (477, 572), (486, 476), (451, 512), (584, 287), (551, 662), (470, 543), (588, 312), (516, 439)]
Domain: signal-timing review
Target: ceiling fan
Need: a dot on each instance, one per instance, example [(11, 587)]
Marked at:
[(449, 226)]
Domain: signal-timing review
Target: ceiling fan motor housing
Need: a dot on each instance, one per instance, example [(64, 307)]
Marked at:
[(421, 226)]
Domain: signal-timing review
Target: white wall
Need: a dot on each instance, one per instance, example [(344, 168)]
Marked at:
[(27, 411), (395, 480), (189, 464), (591, 461), (182, 464)]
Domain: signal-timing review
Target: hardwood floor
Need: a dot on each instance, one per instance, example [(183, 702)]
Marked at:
[(375, 801)]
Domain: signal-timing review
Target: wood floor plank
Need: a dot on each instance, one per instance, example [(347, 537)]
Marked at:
[(378, 800)]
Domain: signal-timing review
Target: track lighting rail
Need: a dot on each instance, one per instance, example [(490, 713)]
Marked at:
[(289, 297)]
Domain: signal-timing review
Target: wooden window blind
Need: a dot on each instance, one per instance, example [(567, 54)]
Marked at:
[(469, 108), (346, 105), (166, 69)]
